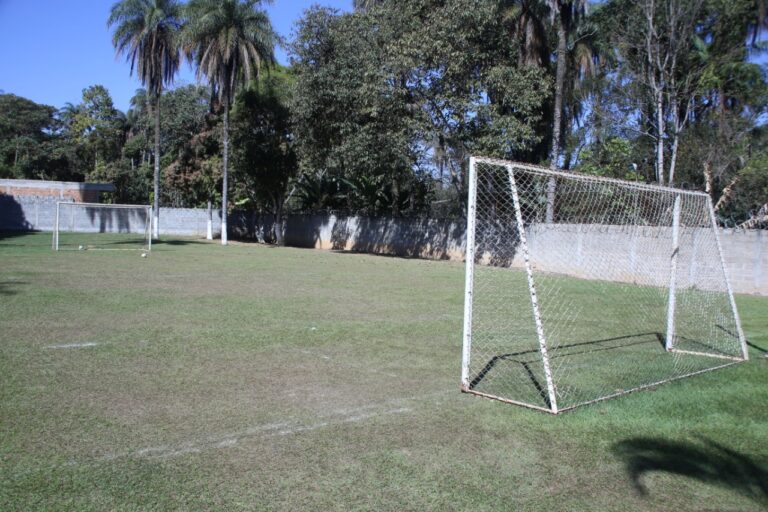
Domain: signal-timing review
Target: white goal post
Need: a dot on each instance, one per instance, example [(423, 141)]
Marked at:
[(580, 288), (86, 226)]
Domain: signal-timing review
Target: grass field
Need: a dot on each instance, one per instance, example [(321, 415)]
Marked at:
[(257, 378)]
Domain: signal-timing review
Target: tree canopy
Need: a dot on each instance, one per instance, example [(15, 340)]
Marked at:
[(380, 107)]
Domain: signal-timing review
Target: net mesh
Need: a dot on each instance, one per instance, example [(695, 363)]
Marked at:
[(586, 316), (85, 226)]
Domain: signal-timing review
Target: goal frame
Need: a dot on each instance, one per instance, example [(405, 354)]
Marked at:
[(470, 256), (150, 223)]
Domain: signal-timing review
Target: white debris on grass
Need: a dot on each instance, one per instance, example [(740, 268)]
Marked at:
[(75, 345)]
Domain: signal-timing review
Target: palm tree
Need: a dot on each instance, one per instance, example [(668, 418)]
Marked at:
[(228, 41), (565, 15), (146, 32), (527, 23)]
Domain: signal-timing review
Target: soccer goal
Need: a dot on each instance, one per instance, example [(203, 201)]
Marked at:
[(581, 288), (87, 226)]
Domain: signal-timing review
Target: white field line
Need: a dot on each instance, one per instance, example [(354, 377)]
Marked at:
[(87, 344), (287, 428), (74, 345), (232, 439)]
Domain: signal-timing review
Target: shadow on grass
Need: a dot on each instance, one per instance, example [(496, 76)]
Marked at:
[(23, 239), (707, 462), (181, 242), (8, 287), (529, 360)]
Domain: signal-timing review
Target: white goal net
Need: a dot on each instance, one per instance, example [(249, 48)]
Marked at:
[(581, 288), (87, 226)]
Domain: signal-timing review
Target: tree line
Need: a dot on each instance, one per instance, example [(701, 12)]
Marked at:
[(380, 108)]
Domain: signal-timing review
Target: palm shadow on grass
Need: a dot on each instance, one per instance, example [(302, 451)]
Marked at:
[(8, 287), (707, 461)]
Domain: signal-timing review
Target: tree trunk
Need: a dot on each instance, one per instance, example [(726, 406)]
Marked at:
[(209, 230), (562, 41), (395, 197), (156, 200), (279, 239), (673, 160), (660, 137), (225, 177)]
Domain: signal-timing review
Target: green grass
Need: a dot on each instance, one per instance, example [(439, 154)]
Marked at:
[(258, 378), (603, 337)]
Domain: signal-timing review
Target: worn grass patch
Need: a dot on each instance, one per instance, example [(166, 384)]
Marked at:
[(257, 378)]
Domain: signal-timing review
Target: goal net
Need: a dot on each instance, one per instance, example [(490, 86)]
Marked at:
[(86, 226), (581, 288)]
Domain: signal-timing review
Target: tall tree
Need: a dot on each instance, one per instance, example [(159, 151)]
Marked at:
[(228, 41), (146, 31)]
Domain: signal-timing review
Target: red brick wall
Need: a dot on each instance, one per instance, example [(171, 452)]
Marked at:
[(80, 196)]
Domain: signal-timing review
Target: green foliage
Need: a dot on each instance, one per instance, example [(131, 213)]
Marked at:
[(382, 106), (27, 138), (613, 158), (381, 91), (146, 31), (228, 41), (264, 158)]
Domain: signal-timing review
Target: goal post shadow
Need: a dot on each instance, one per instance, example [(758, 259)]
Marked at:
[(655, 341)]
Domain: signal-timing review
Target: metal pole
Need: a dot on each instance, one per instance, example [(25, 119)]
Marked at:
[(673, 275), (151, 227), (56, 229), (532, 290), (469, 273), (737, 319)]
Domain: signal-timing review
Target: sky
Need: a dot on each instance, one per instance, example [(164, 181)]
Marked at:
[(50, 50)]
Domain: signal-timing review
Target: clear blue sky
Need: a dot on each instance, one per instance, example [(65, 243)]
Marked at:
[(50, 50)]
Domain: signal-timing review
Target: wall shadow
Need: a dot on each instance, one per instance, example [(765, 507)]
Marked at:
[(706, 461), (12, 218), (116, 220), (251, 226), (408, 238)]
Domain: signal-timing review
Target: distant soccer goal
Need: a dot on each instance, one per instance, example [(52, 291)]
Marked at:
[(581, 288), (89, 226)]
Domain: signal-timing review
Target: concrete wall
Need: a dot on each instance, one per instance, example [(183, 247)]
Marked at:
[(567, 249), (574, 250), (26, 213)]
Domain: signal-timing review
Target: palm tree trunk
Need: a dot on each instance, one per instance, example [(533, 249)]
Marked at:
[(224, 177), (562, 41), (156, 200)]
